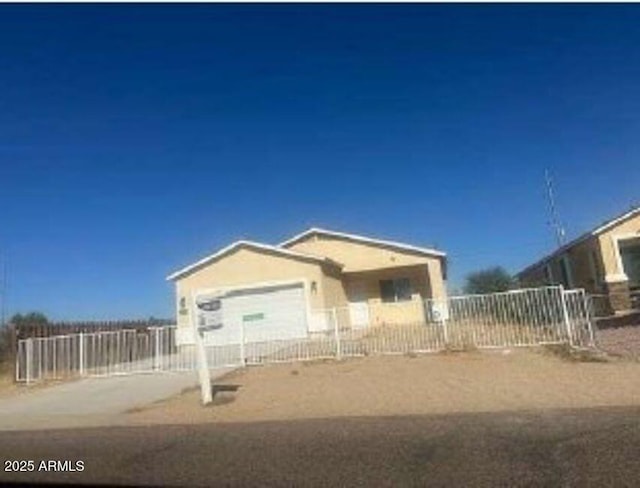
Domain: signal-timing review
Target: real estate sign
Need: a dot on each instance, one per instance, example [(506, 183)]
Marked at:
[(208, 315)]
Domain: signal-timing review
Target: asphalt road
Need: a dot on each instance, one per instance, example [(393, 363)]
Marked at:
[(595, 447)]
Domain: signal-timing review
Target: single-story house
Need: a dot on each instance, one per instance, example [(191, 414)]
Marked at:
[(307, 284), (603, 261)]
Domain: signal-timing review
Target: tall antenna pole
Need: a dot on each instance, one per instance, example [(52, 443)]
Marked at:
[(555, 218)]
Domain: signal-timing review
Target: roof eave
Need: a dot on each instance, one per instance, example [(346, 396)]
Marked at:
[(613, 222), (594, 233), (358, 238), (558, 251), (251, 245)]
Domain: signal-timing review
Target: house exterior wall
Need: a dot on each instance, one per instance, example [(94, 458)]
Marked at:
[(612, 265), (585, 264), (436, 278), (361, 257), (584, 275), (365, 286), (535, 276), (595, 265), (335, 294), (327, 286), (249, 267), (617, 282)]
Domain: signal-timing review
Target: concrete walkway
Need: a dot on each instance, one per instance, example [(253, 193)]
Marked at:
[(92, 401)]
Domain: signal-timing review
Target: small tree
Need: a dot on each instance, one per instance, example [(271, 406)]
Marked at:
[(490, 280), (32, 319)]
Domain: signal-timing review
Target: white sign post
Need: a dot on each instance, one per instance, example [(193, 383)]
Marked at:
[(206, 315)]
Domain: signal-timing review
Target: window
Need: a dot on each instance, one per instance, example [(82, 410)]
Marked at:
[(397, 290)]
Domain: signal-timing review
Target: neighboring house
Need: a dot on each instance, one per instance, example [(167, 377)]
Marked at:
[(604, 261), (291, 289)]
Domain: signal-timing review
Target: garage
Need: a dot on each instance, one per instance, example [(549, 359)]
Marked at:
[(257, 313), (249, 292)]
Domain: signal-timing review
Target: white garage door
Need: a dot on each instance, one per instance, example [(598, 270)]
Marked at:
[(265, 313)]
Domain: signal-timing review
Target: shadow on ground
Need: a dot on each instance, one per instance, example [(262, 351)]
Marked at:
[(596, 447), (222, 394)]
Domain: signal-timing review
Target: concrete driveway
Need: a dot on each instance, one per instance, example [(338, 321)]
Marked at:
[(92, 401)]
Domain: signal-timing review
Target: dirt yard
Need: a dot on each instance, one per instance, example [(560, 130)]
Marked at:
[(402, 385), (621, 341), (8, 386)]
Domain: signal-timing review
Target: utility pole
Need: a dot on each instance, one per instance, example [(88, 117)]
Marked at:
[(555, 217)]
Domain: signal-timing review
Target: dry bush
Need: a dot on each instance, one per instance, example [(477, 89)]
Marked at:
[(568, 353)]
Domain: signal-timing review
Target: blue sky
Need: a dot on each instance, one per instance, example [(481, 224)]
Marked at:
[(136, 139)]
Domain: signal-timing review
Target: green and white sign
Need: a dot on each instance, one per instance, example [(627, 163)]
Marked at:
[(253, 317)]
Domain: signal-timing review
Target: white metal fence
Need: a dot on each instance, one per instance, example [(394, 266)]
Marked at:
[(525, 317), (516, 318)]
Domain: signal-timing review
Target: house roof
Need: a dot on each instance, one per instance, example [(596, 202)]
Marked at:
[(362, 239), (603, 227), (250, 245)]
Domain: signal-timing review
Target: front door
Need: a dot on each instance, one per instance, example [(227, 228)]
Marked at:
[(358, 306)]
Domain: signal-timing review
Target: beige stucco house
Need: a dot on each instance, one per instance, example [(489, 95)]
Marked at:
[(603, 261), (307, 282)]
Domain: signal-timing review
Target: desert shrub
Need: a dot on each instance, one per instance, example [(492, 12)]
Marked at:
[(567, 353), (5, 347)]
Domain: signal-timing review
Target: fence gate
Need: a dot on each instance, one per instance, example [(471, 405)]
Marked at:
[(579, 315)]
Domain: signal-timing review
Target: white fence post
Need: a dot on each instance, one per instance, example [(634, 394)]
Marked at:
[(336, 328), (565, 314), (28, 358), (156, 358), (243, 352), (81, 354), (588, 305), (445, 332)]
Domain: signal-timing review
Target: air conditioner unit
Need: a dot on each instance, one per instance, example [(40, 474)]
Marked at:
[(439, 311)]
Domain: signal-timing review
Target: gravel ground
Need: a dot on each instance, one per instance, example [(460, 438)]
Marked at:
[(402, 385), (621, 341), (466, 419)]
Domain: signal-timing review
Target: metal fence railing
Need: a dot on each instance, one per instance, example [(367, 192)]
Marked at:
[(603, 304), (516, 318), (25, 329)]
